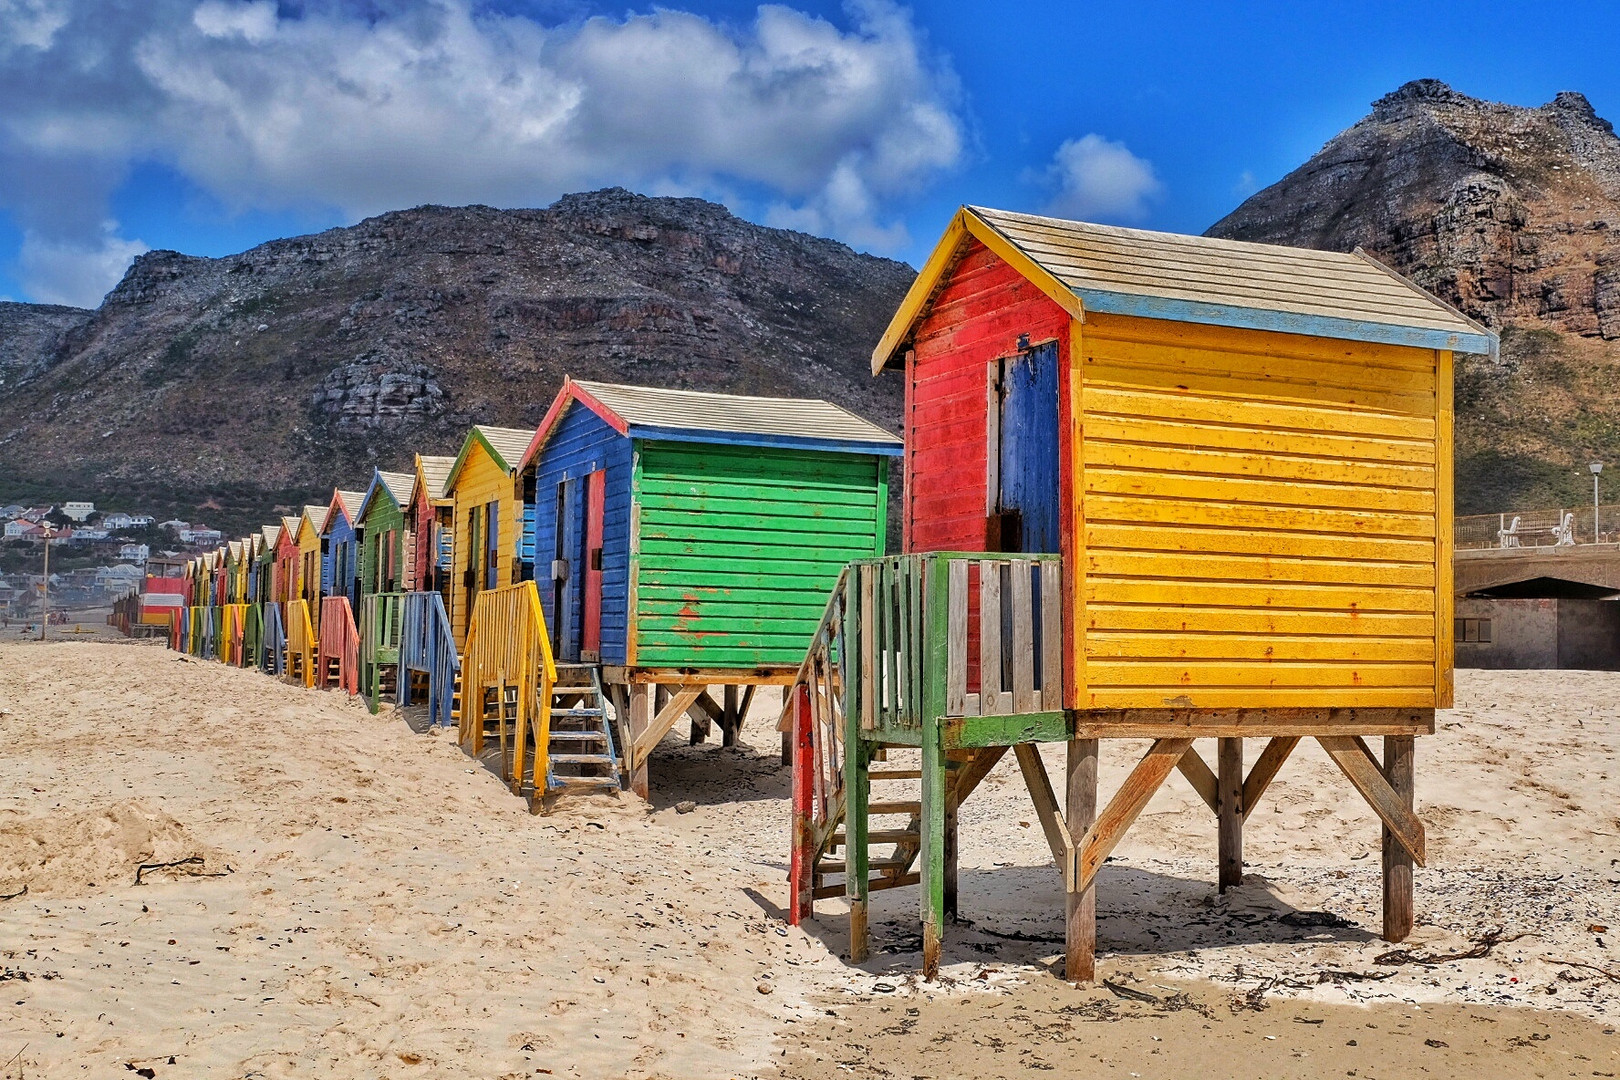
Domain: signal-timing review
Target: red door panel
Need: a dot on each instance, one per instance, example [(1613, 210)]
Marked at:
[(595, 507)]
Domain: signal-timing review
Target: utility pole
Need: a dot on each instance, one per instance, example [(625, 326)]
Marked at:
[(45, 613), (1597, 534)]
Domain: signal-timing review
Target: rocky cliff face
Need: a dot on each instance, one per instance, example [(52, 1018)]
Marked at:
[(1511, 214), (31, 336), (264, 378)]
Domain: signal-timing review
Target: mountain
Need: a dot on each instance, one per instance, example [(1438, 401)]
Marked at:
[(1512, 215), (228, 387)]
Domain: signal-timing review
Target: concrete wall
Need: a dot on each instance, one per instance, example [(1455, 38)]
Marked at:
[(1589, 634), (1542, 634), (1524, 634)]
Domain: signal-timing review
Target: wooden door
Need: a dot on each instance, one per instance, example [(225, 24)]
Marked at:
[(565, 571), (590, 646), (1026, 460)]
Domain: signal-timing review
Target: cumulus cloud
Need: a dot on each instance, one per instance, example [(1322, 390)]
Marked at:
[(74, 272), (1097, 179), (372, 106)]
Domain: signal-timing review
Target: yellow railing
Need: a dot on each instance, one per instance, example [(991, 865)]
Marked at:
[(508, 655), (234, 634), (300, 644)]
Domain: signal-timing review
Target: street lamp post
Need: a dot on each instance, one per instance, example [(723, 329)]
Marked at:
[(1596, 467), (45, 586)]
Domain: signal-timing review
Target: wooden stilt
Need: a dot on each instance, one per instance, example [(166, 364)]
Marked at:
[(931, 895), (640, 719), (801, 875), (857, 792), (1229, 812), (730, 722), (950, 849), (1399, 771), (1080, 912)]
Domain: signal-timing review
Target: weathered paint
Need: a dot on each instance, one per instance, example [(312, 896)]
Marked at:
[(340, 564), (977, 319), (1260, 519), (580, 444), (483, 491), (382, 540), (737, 548)]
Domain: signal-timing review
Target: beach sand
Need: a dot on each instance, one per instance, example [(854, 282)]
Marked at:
[(359, 899)]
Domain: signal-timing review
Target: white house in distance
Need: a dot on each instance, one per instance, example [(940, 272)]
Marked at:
[(116, 520), (78, 511), (22, 529), (135, 553)]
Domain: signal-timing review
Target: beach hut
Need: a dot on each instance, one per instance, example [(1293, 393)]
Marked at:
[(431, 513), (385, 543), (311, 557), (428, 660), (1158, 487), (337, 658), (487, 518), (686, 540)]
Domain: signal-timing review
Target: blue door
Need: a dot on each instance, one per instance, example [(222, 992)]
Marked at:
[(1028, 465)]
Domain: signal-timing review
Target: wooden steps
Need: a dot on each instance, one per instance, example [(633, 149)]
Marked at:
[(581, 755), (886, 871)]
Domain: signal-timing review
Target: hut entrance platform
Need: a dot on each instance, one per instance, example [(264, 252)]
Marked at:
[(650, 702), (958, 656)]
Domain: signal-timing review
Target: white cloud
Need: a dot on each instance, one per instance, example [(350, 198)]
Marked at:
[(376, 106), (1097, 179), (30, 24), (75, 273)]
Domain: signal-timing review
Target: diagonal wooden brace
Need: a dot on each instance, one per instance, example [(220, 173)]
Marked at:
[(1086, 857), (1198, 774), (1265, 770), (1045, 800), (672, 711), (1353, 758)]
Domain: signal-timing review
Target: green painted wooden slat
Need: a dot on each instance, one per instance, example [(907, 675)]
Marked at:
[(673, 508), (831, 493), (853, 538)]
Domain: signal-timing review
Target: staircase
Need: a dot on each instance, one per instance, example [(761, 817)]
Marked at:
[(901, 831), (581, 751)]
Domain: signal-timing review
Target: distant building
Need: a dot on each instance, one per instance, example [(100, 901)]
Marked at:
[(84, 536), (198, 535), (20, 529), (135, 553), (78, 511), (116, 521), (174, 525), (13, 511), (139, 521)]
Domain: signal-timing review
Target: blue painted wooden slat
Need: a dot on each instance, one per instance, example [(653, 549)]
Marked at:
[(1160, 307), (1029, 445)]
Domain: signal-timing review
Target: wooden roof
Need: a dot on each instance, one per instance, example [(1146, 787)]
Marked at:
[(697, 415), (350, 501), (436, 474), (397, 486), (1197, 279)]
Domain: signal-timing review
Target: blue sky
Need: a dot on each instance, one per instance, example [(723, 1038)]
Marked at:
[(211, 125)]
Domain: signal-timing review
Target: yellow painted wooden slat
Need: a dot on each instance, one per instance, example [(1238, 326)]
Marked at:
[(1444, 593), (1227, 673), (1175, 432), (1105, 618), (1257, 542), (1100, 590), (1200, 384), (1172, 404), (1109, 481), (1103, 646), (1171, 568), (1136, 510), (1260, 698), (1168, 459), (1262, 369), (1236, 339)]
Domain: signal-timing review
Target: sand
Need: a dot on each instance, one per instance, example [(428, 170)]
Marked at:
[(364, 900)]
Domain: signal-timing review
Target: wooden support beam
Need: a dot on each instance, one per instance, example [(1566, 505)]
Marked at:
[(1265, 770), (1045, 800), (1080, 907), (931, 895), (1354, 761), (1400, 775), (705, 712), (1133, 795), (1198, 775), (1229, 812), (640, 719), (672, 711)]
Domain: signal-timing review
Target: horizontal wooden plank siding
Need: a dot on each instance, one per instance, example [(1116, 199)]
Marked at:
[(737, 549), (579, 445), (480, 481), (1259, 519), (983, 309)]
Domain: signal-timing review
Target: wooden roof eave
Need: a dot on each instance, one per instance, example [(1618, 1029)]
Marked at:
[(936, 270), (476, 436), (570, 392)]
